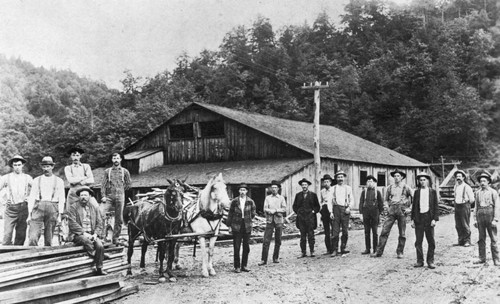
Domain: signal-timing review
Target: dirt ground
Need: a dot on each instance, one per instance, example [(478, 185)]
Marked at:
[(353, 278)]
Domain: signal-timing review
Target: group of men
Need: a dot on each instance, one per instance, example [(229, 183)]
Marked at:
[(41, 203), (334, 205)]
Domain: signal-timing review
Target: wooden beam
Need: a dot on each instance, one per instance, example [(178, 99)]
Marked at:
[(93, 296), (43, 291), (37, 253), (116, 295)]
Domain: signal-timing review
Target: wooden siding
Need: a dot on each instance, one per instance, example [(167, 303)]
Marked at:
[(151, 161), (290, 185), (238, 143)]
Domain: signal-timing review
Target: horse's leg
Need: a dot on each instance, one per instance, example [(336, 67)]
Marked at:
[(130, 249), (161, 253), (177, 266), (144, 248), (204, 257), (211, 248), (171, 256)]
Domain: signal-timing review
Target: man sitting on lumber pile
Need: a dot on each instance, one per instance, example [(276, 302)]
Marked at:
[(85, 224)]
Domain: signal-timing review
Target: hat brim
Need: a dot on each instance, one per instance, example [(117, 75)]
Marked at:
[(11, 161), (335, 176), (485, 176), (424, 175), (79, 150), (50, 164), (305, 181), (400, 172), (90, 191)]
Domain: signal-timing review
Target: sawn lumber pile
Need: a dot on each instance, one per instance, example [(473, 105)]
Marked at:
[(63, 274)]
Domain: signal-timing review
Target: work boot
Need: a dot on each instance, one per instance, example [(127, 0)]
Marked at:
[(312, 254), (275, 261), (431, 265), (418, 264), (400, 255), (244, 269), (334, 253), (100, 272), (479, 262), (367, 251), (262, 263), (304, 254)]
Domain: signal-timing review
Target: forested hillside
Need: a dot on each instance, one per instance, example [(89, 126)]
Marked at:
[(421, 79)]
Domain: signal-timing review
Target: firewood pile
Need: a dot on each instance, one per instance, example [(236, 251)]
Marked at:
[(62, 274), (445, 209), (259, 225)]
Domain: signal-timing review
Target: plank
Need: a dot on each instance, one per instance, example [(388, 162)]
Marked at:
[(93, 296), (125, 291), (79, 294), (10, 266), (10, 248), (43, 291), (32, 254)]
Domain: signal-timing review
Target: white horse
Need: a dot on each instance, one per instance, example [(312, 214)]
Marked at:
[(205, 218)]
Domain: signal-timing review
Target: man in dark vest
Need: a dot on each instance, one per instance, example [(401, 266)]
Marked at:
[(424, 215), (371, 205), (306, 205)]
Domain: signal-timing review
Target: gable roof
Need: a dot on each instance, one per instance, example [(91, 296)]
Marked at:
[(334, 143)]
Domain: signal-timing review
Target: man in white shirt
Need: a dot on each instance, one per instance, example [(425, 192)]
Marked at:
[(487, 216), (45, 204), (18, 187), (424, 215), (78, 175), (464, 197), (326, 201), (342, 202)]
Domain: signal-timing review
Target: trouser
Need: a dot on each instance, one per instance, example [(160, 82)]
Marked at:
[(15, 217), (340, 220), (395, 214), (462, 222), (268, 235), (306, 227), (238, 237), (94, 248), (371, 219), (423, 227), (328, 227), (44, 216), (117, 202), (484, 219)]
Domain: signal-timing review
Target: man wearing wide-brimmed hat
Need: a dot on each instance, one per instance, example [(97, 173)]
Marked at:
[(306, 205), (487, 216), (239, 220), (464, 198), (371, 206), (86, 225), (397, 203), (18, 185), (77, 174), (274, 208), (45, 204), (326, 209), (424, 215), (343, 199), (115, 182)]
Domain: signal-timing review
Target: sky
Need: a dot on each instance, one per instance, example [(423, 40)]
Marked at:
[(102, 39)]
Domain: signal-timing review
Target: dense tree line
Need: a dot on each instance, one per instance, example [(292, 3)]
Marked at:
[(420, 79)]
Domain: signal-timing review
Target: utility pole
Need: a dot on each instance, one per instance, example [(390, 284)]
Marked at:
[(442, 164), (317, 86)]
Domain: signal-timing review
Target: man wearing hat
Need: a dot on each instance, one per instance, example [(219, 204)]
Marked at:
[(306, 205), (464, 197), (77, 174), (487, 216), (274, 208), (86, 225), (326, 209), (18, 186), (397, 203), (239, 220), (343, 199), (115, 182), (424, 215), (370, 207), (45, 204)]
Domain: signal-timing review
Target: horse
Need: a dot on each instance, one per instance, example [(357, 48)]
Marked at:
[(156, 220), (204, 219)]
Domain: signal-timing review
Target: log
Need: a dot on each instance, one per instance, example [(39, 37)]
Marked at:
[(43, 291)]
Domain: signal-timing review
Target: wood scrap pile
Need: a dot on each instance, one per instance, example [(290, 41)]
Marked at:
[(62, 274), (445, 209)]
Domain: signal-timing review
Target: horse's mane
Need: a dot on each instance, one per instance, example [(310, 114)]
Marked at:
[(205, 195)]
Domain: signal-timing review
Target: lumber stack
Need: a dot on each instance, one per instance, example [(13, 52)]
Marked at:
[(445, 209), (60, 274)]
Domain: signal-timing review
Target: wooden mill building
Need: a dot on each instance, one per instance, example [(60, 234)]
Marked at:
[(203, 140)]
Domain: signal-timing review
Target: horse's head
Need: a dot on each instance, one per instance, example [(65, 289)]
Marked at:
[(215, 194), (173, 198)]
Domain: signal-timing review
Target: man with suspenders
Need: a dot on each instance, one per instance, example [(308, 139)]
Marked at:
[(18, 187), (45, 204), (78, 175), (464, 197), (371, 205), (116, 180), (342, 202)]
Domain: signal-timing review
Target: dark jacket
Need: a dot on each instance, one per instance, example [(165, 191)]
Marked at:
[(433, 206), (379, 201), (234, 219), (75, 217), (304, 207)]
